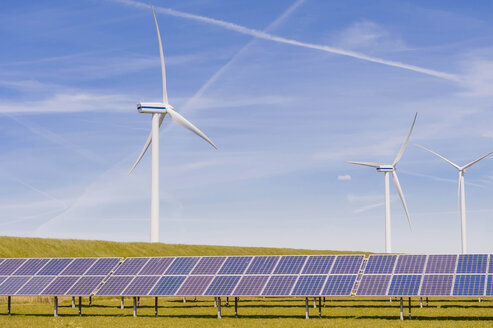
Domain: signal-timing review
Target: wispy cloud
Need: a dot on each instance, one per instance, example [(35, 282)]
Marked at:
[(346, 177)]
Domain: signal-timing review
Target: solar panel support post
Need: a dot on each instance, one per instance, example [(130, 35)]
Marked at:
[(73, 302), (420, 302), (426, 301), (9, 302), (227, 301), (184, 299), (215, 301), (307, 314), (219, 308), (314, 302), (324, 301), (402, 310), (80, 306), (90, 301), (409, 308), (195, 299), (236, 307), (56, 306), (155, 306), (122, 303), (135, 306), (479, 299), (138, 301), (320, 307)]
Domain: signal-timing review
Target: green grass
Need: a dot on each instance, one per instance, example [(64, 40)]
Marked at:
[(258, 312)]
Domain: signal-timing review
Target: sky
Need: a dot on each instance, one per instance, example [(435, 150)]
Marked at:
[(288, 90)]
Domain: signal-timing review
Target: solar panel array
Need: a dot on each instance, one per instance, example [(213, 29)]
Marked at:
[(56, 276), (427, 275), (321, 275)]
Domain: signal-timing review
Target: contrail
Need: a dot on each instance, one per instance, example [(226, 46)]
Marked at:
[(271, 37)]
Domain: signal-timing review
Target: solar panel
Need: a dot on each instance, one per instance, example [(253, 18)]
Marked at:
[(404, 285), (85, 286), (279, 285), (263, 264), (469, 285), (489, 285), (35, 286), (380, 264), (60, 285), (141, 286), (167, 285), (319, 264), (290, 265), (208, 265), (373, 285), (235, 265), (131, 266), (10, 265), (222, 285), (309, 285), (339, 285), (441, 264), (78, 266), (472, 263), (103, 266), (437, 285), (156, 266), (114, 286), (54, 267), (182, 265), (250, 285), (30, 267), (410, 264), (347, 264), (194, 285), (12, 284)]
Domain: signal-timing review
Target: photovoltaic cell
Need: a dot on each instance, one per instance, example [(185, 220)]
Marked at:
[(380, 264), (182, 265), (208, 265), (405, 285), (54, 267), (263, 264), (140, 286), (441, 263), (469, 285), (489, 285), (279, 285), (78, 266), (373, 285), (347, 264), (167, 285), (103, 266), (35, 286), (290, 265), (472, 263), (156, 266), (410, 264), (319, 264), (195, 285), (250, 285), (235, 265), (437, 285), (309, 285), (2, 279), (131, 266), (30, 267), (339, 285), (85, 286), (12, 284), (222, 285), (60, 285), (115, 285), (10, 265)]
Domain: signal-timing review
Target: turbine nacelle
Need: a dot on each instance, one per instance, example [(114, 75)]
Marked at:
[(386, 168), (153, 107)]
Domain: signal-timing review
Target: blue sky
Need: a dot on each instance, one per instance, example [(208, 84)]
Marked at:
[(288, 90)]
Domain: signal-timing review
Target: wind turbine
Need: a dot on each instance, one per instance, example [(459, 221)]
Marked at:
[(386, 169), (461, 193), (159, 111)]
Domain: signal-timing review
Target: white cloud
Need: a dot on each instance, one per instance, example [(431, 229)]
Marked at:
[(344, 177)]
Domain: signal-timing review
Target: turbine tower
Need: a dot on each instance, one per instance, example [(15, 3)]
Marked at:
[(387, 169), (159, 111), (461, 193)]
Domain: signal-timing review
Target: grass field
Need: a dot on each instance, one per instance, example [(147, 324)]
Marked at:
[(258, 312)]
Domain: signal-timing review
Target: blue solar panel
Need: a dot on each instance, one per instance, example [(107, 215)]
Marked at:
[(12, 284), (131, 266), (469, 285), (103, 267), (85, 286), (441, 264), (156, 266), (114, 286), (140, 286), (182, 265), (279, 285), (489, 285), (373, 285), (319, 264), (208, 265), (235, 265), (472, 263), (339, 285), (54, 267), (10, 265), (167, 285), (78, 266), (30, 267), (410, 264), (347, 264), (35, 286), (263, 264), (222, 285), (250, 285), (437, 285), (290, 265), (380, 264), (405, 285), (194, 285), (309, 285), (60, 285), (2, 279)]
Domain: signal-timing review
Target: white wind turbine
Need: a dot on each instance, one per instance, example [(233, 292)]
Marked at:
[(386, 169), (159, 111), (461, 193)]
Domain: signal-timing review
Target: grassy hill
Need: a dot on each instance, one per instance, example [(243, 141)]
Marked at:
[(41, 247)]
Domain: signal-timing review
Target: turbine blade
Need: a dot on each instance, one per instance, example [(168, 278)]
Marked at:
[(401, 195), (475, 161), (146, 145), (404, 144), (180, 120), (161, 55), (371, 164), (446, 160)]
